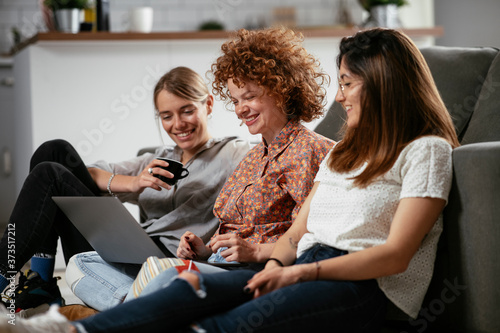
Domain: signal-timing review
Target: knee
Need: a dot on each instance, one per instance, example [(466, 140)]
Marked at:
[(45, 170), (55, 144), (53, 151), (73, 272), (46, 150), (192, 278)]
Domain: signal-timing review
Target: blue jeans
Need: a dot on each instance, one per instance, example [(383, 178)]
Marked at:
[(103, 285), (222, 306), (99, 284)]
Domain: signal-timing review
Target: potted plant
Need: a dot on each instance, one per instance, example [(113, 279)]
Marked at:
[(383, 13), (67, 13)]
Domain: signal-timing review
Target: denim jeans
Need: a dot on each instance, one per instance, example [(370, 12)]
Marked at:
[(56, 169), (163, 279), (103, 285), (98, 283), (222, 306)]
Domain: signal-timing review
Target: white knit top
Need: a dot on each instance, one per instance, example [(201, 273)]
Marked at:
[(352, 219)]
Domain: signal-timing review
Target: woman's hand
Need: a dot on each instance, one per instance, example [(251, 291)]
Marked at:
[(238, 249), (192, 247), (274, 277), (145, 179)]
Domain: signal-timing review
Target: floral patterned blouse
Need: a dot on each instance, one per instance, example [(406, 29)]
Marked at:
[(264, 194)]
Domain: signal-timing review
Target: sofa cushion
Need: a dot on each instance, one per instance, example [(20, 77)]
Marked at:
[(485, 120), (331, 125), (459, 74)]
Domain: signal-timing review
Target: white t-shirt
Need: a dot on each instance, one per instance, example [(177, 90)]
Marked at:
[(352, 219)]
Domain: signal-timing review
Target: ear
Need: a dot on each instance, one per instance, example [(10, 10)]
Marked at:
[(210, 104)]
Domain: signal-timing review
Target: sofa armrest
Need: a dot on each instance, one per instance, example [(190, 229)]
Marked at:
[(464, 293), (147, 150)]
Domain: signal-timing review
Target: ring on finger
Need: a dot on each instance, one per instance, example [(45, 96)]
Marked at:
[(150, 171)]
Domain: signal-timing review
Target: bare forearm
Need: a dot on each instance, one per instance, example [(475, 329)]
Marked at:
[(285, 249), (100, 177), (119, 183), (264, 252), (366, 264)]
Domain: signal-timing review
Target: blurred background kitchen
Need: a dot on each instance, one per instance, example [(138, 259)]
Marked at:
[(93, 92), (467, 23)]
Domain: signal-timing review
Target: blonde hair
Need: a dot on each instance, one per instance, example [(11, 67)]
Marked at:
[(184, 83)]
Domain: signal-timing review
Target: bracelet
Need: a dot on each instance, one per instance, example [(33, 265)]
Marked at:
[(317, 270), (277, 260), (109, 184)]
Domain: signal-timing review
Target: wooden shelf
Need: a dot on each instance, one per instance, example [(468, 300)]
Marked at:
[(312, 32), (189, 35)]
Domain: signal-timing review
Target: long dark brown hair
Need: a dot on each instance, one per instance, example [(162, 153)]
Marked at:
[(399, 103)]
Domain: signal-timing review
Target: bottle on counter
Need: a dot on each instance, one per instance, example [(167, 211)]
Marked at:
[(89, 17), (102, 15)]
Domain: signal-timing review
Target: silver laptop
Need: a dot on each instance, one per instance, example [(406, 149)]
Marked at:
[(110, 228)]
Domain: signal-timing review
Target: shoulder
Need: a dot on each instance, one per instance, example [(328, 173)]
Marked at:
[(232, 145), (428, 152), (313, 138), (428, 145), (164, 151), (312, 141), (236, 142)]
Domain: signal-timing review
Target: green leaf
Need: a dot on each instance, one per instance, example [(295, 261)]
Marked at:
[(368, 4), (66, 4)]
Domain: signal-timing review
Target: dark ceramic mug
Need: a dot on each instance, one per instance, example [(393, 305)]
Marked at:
[(174, 167)]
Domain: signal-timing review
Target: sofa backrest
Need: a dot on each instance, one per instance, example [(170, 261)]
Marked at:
[(468, 80), (464, 78)]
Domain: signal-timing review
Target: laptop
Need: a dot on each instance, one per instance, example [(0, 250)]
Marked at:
[(110, 228)]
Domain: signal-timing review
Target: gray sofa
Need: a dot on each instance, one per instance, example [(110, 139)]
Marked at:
[(464, 295)]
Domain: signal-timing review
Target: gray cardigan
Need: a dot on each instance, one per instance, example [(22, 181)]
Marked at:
[(188, 206)]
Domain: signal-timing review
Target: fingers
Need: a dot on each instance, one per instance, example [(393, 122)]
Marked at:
[(184, 250), (264, 282), (255, 285), (157, 169), (232, 254), (188, 235), (226, 240), (148, 179)]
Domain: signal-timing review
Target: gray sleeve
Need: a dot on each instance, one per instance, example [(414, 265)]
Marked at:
[(130, 167)]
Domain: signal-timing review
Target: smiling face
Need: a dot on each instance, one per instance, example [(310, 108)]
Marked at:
[(184, 121), (349, 95), (257, 109)]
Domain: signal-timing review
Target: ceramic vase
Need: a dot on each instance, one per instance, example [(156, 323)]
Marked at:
[(385, 16), (68, 20)]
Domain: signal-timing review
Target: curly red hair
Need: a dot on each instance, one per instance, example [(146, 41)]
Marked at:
[(274, 59)]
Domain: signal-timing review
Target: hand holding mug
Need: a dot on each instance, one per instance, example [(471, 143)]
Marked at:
[(175, 171)]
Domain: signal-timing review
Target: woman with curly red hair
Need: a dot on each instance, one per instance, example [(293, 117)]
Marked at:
[(274, 84)]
